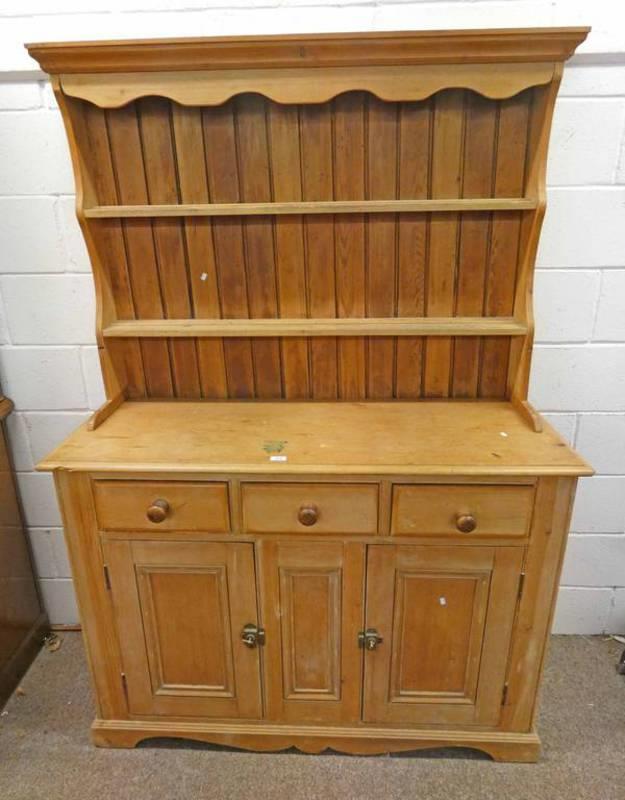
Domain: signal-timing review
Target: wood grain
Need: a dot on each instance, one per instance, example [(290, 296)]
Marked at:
[(388, 83), (349, 233), (415, 123), (343, 326), (310, 207), (200, 252), (283, 122), (254, 180), (312, 661), (446, 180), (434, 510), (329, 438), (284, 216), (357, 740), (474, 245), (221, 166), (161, 179), (381, 243), (316, 142), (122, 506), (123, 127), (447, 603), (504, 240), (168, 669), (268, 508)]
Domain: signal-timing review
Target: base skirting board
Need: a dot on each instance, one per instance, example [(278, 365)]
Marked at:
[(500, 745)]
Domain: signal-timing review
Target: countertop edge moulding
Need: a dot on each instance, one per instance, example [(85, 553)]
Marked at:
[(312, 50)]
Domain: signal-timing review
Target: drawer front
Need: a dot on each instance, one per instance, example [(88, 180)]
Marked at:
[(310, 508), (461, 510), (161, 506)]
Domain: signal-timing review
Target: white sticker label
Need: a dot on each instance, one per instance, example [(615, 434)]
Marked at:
[(204, 276), (277, 458), (442, 601)]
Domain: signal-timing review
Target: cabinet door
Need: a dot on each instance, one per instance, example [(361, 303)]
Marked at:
[(312, 610), (180, 609), (445, 616)]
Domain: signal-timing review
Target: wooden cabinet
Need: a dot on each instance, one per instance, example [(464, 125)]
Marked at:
[(180, 609), (23, 624), (316, 509), (346, 631), (312, 609), (444, 616)]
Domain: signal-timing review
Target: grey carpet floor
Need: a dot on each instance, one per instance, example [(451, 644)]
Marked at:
[(45, 750)]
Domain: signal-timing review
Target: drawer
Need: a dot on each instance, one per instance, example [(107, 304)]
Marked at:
[(309, 508), (461, 510), (125, 505)]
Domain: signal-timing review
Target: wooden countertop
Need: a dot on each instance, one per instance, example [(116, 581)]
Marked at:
[(416, 438)]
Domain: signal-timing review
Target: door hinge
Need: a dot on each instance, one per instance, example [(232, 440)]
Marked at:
[(124, 685), (504, 694), (107, 578), (521, 585)]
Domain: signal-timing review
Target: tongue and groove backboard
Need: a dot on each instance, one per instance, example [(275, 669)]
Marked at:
[(346, 217)]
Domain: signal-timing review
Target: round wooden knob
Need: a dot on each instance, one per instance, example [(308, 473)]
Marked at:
[(466, 523), (308, 515), (158, 511)]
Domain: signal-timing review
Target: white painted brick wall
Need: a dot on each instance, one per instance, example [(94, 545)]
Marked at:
[(48, 359)]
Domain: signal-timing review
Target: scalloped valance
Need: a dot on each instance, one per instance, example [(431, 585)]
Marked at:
[(291, 85)]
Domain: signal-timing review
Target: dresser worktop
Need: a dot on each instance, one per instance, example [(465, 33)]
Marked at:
[(443, 438)]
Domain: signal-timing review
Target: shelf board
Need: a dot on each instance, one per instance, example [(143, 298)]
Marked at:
[(316, 207), (390, 326)]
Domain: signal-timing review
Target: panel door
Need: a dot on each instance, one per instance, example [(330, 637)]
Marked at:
[(445, 617), (312, 610), (180, 609)]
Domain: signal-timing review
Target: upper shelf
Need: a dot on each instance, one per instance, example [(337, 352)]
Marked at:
[(330, 326), (311, 207)]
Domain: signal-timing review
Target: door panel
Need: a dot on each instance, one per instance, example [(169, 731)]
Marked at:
[(176, 606), (445, 617), (438, 628), (312, 604), (180, 609), (311, 633)]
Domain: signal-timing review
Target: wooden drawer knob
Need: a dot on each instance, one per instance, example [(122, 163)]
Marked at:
[(466, 523), (158, 511), (308, 515)]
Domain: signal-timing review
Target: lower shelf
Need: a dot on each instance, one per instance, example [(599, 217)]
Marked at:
[(500, 745)]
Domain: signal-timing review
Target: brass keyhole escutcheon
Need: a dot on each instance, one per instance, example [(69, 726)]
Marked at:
[(369, 639), (158, 511), (308, 515), (252, 635)]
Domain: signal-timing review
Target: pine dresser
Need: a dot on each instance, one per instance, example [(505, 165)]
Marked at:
[(316, 509)]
